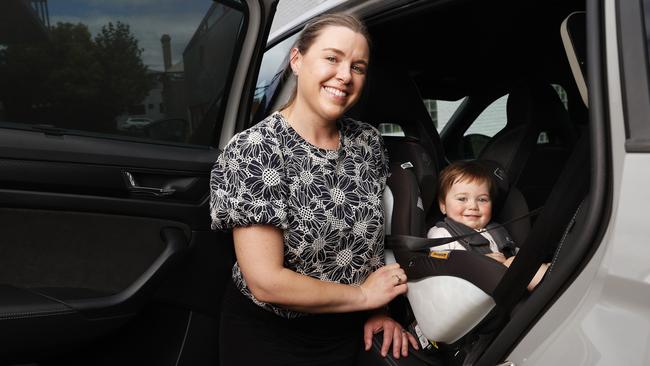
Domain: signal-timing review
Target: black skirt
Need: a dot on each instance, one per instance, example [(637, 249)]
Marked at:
[(250, 335)]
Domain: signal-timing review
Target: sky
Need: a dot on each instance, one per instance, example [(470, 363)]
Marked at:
[(148, 19)]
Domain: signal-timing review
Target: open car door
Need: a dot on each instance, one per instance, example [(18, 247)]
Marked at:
[(107, 256)]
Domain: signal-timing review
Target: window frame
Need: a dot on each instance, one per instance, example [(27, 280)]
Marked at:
[(633, 56)]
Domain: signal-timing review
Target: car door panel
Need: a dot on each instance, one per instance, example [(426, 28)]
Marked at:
[(84, 249), (78, 275), (107, 252)]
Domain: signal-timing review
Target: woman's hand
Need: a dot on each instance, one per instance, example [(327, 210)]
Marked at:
[(393, 333), (383, 285)]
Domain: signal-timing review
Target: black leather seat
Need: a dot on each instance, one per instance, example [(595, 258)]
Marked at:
[(538, 129), (392, 97), (532, 149)]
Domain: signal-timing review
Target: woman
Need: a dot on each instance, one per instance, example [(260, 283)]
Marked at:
[(302, 191)]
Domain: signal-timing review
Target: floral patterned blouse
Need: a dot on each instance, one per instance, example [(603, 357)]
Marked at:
[(327, 202)]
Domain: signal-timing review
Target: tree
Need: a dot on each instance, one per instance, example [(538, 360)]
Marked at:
[(74, 80), (125, 79)]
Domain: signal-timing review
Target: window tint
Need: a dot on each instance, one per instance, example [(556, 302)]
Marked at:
[(273, 64), (441, 111), (143, 70)]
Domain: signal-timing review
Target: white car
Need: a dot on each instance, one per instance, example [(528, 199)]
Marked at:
[(592, 308), (107, 253), (134, 123)]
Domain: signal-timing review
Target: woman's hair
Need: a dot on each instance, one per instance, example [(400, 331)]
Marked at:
[(314, 28), (464, 171)]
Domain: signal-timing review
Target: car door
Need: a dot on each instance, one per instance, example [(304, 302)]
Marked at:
[(107, 254)]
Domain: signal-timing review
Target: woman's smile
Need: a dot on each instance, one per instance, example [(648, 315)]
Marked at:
[(336, 94)]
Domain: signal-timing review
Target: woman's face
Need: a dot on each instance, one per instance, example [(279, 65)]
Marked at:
[(331, 72)]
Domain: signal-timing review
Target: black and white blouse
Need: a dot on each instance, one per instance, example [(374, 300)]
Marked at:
[(327, 202)]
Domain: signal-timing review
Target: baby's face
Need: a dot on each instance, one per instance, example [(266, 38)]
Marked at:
[(468, 203)]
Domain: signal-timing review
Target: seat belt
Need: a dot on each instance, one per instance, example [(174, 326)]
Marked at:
[(422, 245), (567, 194)]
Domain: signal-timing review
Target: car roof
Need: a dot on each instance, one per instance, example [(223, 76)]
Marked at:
[(468, 47), (453, 49)]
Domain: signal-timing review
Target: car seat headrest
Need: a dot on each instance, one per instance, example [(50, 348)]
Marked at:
[(518, 106), (537, 103), (403, 209), (407, 150)]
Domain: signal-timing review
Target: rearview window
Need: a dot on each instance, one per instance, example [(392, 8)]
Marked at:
[(132, 70), (441, 111)]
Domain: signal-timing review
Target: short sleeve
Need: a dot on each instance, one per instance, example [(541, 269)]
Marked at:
[(247, 184), (380, 155), (439, 232)]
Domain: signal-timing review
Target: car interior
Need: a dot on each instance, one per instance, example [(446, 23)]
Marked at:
[(117, 276), (479, 53), (538, 148)]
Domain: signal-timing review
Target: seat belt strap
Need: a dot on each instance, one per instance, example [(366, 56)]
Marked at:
[(418, 244)]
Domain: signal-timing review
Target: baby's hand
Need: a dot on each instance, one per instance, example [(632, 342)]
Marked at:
[(499, 257)]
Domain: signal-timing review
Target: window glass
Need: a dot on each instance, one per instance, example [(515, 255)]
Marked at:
[(273, 65), (441, 111), (562, 94), (491, 120), (133, 70), (390, 129), (494, 117)]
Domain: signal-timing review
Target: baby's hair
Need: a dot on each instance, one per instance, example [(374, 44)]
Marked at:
[(464, 171), (314, 28)]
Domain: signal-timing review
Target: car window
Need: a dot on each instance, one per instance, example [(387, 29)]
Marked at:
[(143, 71), (271, 69), (562, 94), (491, 120), (441, 111), (390, 129)]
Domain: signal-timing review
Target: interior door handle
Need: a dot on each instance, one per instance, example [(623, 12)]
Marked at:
[(154, 191)]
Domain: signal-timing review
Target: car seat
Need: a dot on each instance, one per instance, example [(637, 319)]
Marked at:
[(420, 147), (536, 141), (462, 281), (532, 149), (453, 292)]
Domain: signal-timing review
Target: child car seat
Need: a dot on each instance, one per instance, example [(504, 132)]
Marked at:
[(462, 281)]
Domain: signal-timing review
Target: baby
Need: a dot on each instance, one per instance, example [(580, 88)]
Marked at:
[(466, 189)]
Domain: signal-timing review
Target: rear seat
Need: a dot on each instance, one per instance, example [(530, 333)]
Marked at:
[(552, 234), (452, 282), (391, 97)]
